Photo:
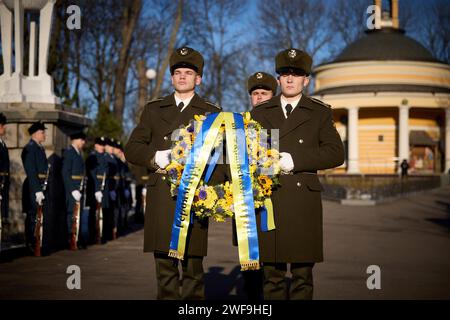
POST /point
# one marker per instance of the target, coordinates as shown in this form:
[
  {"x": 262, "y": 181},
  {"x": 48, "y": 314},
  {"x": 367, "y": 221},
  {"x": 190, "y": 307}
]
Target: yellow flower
[
  {"x": 178, "y": 152},
  {"x": 211, "y": 198},
  {"x": 265, "y": 182}
]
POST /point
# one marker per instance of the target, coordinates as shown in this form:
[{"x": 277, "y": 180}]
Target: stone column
[
  {"x": 6, "y": 29},
  {"x": 447, "y": 139},
  {"x": 403, "y": 133},
  {"x": 353, "y": 147}
]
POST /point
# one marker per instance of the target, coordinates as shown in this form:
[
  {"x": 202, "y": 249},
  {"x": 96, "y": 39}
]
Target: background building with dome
[{"x": 391, "y": 101}]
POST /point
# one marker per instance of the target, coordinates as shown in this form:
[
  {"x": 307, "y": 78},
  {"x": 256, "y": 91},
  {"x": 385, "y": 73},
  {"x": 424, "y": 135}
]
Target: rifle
[
  {"x": 2, "y": 185},
  {"x": 76, "y": 220},
  {"x": 99, "y": 213},
  {"x": 38, "y": 232}
]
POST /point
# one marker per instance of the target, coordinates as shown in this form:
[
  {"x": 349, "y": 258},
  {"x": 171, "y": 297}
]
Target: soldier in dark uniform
[
  {"x": 73, "y": 171},
  {"x": 141, "y": 178},
  {"x": 124, "y": 187},
  {"x": 96, "y": 171},
  {"x": 308, "y": 141},
  {"x": 111, "y": 213},
  {"x": 149, "y": 147},
  {"x": 261, "y": 87},
  {"x": 4, "y": 179},
  {"x": 35, "y": 164}
]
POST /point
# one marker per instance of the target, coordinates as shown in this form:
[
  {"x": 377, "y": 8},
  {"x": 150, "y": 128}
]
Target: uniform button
[
  {"x": 164, "y": 178},
  {"x": 165, "y": 138},
  {"x": 300, "y": 141},
  {"x": 299, "y": 184}
]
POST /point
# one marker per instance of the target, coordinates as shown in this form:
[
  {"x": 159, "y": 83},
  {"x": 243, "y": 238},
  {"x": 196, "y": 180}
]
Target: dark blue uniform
[
  {"x": 35, "y": 164},
  {"x": 111, "y": 213},
  {"x": 4, "y": 180},
  {"x": 73, "y": 174},
  {"x": 96, "y": 167}
]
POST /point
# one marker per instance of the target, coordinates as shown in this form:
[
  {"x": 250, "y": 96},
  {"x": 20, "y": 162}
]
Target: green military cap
[
  {"x": 293, "y": 61},
  {"x": 262, "y": 80},
  {"x": 186, "y": 57}
]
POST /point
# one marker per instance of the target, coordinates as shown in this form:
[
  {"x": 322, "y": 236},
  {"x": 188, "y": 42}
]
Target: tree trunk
[
  {"x": 173, "y": 38},
  {"x": 131, "y": 15},
  {"x": 142, "y": 91}
]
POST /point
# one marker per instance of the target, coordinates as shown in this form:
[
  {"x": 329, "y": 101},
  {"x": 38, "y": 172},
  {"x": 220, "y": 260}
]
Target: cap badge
[
  {"x": 292, "y": 53},
  {"x": 184, "y": 51},
  {"x": 259, "y": 76}
]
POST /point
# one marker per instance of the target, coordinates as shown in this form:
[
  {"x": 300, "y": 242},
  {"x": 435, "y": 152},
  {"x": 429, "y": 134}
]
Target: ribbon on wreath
[{"x": 244, "y": 209}]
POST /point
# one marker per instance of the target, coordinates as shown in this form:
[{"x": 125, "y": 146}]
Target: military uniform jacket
[
  {"x": 35, "y": 164},
  {"x": 73, "y": 173},
  {"x": 112, "y": 179},
  {"x": 4, "y": 178},
  {"x": 310, "y": 137},
  {"x": 95, "y": 168},
  {"x": 159, "y": 119}
]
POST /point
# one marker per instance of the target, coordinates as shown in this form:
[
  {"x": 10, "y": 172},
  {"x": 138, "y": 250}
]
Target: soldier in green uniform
[
  {"x": 4, "y": 179},
  {"x": 36, "y": 166},
  {"x": 73, "y": 172},
  {"x": 261, "y": 87},
  {"x": 149, "y": 146},
  {"x": 308, "y": 141}
]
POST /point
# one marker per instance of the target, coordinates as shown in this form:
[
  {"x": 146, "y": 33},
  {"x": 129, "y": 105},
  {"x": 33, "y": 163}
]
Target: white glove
[
  {"x": 162, "y": 158},
  {"x": 99, "y": 196},
  {"x": 1, "y": 198},
  {"x": 39, "y": 197},
  {"x": 76, "y": 195},
  {"x": 144, "y": 192},
  {"x": 286, "y": 162}
]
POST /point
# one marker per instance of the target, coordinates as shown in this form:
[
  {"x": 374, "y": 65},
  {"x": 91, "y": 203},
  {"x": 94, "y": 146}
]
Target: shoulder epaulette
[
  {"x": 215, "y": 105},
  {"x": 154, "y": 100},
  {"x": 320, "y": 102}
]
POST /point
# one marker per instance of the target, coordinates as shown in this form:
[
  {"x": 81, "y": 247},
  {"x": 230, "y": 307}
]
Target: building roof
[
  {"x": 385, "y": 44},
  {"x": 420, "y": 138},
  {"x": 382, "y": 88}
]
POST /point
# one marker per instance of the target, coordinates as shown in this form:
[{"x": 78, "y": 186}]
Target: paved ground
[{"x": 409, "y": 239}]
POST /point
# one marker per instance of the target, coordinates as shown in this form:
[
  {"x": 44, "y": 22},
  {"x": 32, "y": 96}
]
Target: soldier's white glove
[
  {"x": 1, "y": 198},
  {"x": 286, "y": 162},
  {"x": 99, "y": 196},
  {"x": 76, "y": 195},
  {"x": 162, "y": 158},
  {"x": 39, "y": 197},
  {"x": 144, "y": 192}
]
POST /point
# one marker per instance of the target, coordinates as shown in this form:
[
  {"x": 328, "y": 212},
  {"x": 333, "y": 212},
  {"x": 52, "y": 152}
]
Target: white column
[
  {"x": 6, "y": 26},
  {"x": 18, "y": 37},
  {"x": 44, "y": 36},
  {"x": 403, "y": 133},
  {"x": 447, "y": 139},
  {"x": 32, "y": 59},
  {"x": 352, "y": 138}
]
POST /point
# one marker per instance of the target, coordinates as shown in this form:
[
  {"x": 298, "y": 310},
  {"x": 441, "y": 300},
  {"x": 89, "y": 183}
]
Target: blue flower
[{"x": 202, "y": 194}]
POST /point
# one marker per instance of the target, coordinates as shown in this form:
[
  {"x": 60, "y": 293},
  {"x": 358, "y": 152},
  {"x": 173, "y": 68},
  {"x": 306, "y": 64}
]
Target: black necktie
[
  {"x": 288, "y": 110},
  {"x": 181, "y": 106}
]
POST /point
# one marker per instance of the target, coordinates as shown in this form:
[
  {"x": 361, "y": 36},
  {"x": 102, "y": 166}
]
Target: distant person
[
  {"x": 404, "y": 166},
  {"x": 261, "y": 87}
]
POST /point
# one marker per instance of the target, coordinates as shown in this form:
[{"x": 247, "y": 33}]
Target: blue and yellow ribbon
[{"x": 190, "y": 179}]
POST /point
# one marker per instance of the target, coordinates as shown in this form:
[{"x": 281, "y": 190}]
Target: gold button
[
  {"x": 300, "y": 141},
  {"x": 165, "y": 138},
  {"x": 299, "y": 184},
  {"x": 164, "y": 178}
]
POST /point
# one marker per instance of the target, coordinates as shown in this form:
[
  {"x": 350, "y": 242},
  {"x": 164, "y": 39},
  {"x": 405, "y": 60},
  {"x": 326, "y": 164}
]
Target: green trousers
[
  {"x": 275, "y": 286},
  {"x": 171, "y": 286}
]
